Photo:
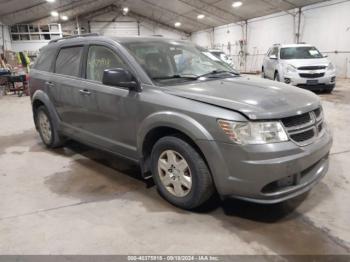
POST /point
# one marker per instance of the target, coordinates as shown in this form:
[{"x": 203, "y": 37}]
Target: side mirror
[
  {"x": 120, "y": 77},
  {"x": 325, "y": 56},
  {"x": 274, "y": 57}
]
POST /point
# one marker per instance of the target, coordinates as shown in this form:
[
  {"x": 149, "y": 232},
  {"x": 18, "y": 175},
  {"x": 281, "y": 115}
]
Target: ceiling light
[
  {"x": 237, "y": 4},
  {"x": 54, "y": 13},
  {"x": 64, "y": 17},
  {"x": 177, "y": 24},
  {"x": 50, "y": 1},
  {"x": 125, "y": 10},
  {"x": 201, "y": 16}
]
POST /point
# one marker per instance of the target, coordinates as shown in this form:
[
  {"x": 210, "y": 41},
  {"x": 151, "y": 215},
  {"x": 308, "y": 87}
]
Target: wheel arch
[
  {"x": 40, "y": 98},
  {"x": 163, "y": 124}
]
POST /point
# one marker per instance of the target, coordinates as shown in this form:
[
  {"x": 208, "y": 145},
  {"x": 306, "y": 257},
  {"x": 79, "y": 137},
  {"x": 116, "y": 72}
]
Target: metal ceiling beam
[
  {"x": 115, "y": 8},
  {"x": 72, "y": 6},
  {"x": 196, "y": 22},
  {"x": 211, "y": 9},
  {"x": 146, "y": 19},
  {"x": 277, "y": 7},
  {"x": 24, "y": 9}
]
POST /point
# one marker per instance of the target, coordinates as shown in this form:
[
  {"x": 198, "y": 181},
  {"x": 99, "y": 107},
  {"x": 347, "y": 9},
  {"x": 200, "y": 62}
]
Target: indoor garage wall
[
  {"x": 329, "y": 29},
  {"x": 110, "y": 25},
  {"x": 318, "y": 23}
]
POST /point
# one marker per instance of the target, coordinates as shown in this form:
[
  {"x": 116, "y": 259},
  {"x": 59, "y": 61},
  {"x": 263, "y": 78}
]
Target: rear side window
[
  {"x": 69, "y": 61},
  {"x": 45, "y": 60}
]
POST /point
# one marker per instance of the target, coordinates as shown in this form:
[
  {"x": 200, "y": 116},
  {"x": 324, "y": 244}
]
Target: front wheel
[
  {"x": 180, "y": 173},
  {"x": 277, "y": 77}
]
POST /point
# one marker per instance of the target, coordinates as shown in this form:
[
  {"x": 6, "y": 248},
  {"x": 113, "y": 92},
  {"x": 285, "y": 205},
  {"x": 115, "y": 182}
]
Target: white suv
[{"x": 301, "y": 65}]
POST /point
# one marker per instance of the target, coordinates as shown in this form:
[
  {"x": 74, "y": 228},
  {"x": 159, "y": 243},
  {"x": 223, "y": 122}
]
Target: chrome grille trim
[{"x": 316, "y": 120}]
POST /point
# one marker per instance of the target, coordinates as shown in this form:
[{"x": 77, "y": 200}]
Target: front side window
[
  {"x": 274, "y": 51},
  {"x": 69, "y": 61},
  {"x": 173, "y": 60},
  {"x": 99, "y": 59},
  {"x": 301, "y": 52}
]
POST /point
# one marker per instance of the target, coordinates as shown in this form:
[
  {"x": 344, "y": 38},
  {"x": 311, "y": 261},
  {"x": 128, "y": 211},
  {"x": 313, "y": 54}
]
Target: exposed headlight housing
[
  {"x": 254, "y": 132},
  {"x": 291, "y": 69},
  {"x": 330, "y": 67}
]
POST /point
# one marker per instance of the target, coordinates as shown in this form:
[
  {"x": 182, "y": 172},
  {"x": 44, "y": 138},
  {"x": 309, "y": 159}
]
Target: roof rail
[{"x": 72, "y": 36}]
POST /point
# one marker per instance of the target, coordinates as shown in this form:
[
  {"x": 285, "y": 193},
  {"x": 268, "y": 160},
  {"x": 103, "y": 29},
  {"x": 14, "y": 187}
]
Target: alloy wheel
[{"x": 174, "y": 173}]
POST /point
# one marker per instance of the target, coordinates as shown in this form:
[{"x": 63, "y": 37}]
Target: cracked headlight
[{"x": 254, "y": 132}]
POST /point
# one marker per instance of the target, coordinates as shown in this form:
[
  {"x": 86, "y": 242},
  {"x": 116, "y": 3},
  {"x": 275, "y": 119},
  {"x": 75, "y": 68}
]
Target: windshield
[
  {"x": 302, "y": 52},
  {"x": 174, "y": 61}
]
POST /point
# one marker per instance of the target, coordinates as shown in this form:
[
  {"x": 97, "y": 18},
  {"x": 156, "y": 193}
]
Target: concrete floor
[{"x": 78, "y": 200}]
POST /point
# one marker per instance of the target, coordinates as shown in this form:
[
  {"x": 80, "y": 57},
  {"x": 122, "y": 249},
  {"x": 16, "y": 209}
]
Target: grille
[
  {"x": 303, "y": 136},
  {"x": 296, "y": 120},
  {"x": 311, "y": 67},
  {"x": 312, "y": 75},
  {"x": 317, "y": 112},
  {"x": 303, "y": 128},
  {"x": 320, "y": 128}
]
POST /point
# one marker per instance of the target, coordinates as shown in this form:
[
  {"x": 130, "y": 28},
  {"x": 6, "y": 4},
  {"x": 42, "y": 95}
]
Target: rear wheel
[
  {"x": 47, "y": 131},
  {"x": 263, "y": 73},
  {"x": 180, "y": 173}
]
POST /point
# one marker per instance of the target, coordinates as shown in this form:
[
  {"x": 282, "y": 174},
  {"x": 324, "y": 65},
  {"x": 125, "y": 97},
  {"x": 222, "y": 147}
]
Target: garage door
[{"x": 114, "y": 28}]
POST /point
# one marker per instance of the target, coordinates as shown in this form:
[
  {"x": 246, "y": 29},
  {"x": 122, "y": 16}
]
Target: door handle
[
  {"x": 85, "y": 92},
  {"x": 49, "y": 84}
]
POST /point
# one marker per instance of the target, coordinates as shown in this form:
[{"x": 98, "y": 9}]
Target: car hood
[
  {"x": 254, "y": 97},
  {"x": 307, "y": 62}
]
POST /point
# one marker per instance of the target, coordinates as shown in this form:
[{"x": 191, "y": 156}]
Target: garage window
[
  {"x": 99, "y": 59},
  {"x": 68, "y": 61}
]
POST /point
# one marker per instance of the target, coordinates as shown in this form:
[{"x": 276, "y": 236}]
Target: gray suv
[{"x": 195, "y": 126}]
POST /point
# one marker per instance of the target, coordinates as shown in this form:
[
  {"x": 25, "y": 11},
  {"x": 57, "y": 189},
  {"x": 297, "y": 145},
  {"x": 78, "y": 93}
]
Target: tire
[
  {"x": 263, "y": 73},
  {"x": 277, "y": 77},
  {"x": 47, "y": 130},
  {"x": 192, "y": 194},
  {"x": 328, "y": 90}
]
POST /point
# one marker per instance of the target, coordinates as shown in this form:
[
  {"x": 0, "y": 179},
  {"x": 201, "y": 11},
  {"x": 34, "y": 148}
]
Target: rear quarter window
[
  {"x": 45, "y": 60},
  {"x": 69, "y": 61}
]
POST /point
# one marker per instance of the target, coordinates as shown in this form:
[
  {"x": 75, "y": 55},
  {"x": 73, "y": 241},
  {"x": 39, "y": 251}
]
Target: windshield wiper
[
  {"x": 216, "y": 73},
  {"x": 191, "y": 77}
]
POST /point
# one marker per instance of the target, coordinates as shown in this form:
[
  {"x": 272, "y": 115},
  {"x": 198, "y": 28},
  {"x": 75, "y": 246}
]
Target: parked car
[
  {"x": 300, "y": 65},
  {"x": 222, "y": 56},
  {"x": 192, "y": 124}
]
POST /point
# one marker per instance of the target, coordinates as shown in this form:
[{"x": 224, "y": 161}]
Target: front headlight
[
  {"x": 291, "y": 69},
  {"x": 254, "y": 132},
  {"x": 330, "y": 67}
]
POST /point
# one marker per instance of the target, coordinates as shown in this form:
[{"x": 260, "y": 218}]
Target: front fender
[{"x": 181, "y": 122}]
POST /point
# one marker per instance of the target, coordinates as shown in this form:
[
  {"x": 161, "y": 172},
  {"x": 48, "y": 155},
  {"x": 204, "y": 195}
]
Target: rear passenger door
[{"x": 65, "y": 85}]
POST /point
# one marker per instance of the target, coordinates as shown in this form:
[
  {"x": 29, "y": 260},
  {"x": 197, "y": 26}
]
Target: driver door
[
  {"x": 109, "y": 112},
  {"x": 271, "y": 63}
]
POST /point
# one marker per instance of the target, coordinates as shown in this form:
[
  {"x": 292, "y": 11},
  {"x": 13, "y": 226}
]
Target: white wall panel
[
  {"x": 328, "y": 28},
  {"x": 114, "y": 28},
  {"x": 31, "y": 46},
  {"x": 325, "y": 25},
  {"x": 5, "y": 40}
]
